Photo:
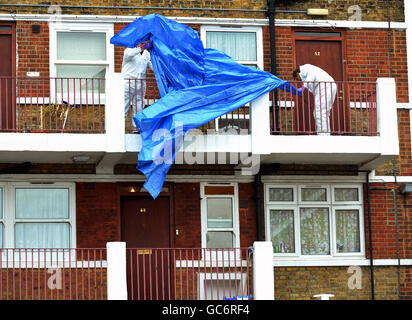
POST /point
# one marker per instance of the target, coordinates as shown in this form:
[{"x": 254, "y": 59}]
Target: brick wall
[
  {"x": 367, "y": 56},
  {"x": 32, "y": 48},
  {"x": 383, "y": 220},
  {"x": 97, "y": 214},
  {"x": 366, "y": 10},
  {"x": 302, "y": 283}
]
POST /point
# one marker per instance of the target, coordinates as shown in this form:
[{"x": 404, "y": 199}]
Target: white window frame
[
  {"x": 210, "y": 254},
  {"x": 259, "y": 39},
  {"x": 330, "y": 203},
  {"x": 217, "y": 280},
  {"x": 55, "y": 27},
  {"x": 349, "y": 186},
  {"x": 259, "y": 53},
  {"x": 361, "y": 235},
  {"x": 9, "y": 212},
  {"x": 282, "y": 186},
  {"x": 296, "y": 227}
]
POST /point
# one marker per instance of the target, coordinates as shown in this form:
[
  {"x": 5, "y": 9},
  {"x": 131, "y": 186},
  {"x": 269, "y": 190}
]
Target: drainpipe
[
  {"x": 272, "y": 37},
  {"x": 259, "y": 200},
  {"x": 370, "y": 237}
]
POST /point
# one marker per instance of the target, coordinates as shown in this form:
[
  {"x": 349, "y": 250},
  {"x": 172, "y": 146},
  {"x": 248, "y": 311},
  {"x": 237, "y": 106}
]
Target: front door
[
  {"x": 145, "y": 228},
  {"x": 7, "y": 93},
  {"x": 327, "y": 55}
]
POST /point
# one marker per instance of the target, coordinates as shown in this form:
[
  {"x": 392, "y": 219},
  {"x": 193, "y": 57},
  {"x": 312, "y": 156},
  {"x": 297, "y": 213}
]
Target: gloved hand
[
  {"x": 301, "y": 89},
  {"x": 147, "y": 45}
]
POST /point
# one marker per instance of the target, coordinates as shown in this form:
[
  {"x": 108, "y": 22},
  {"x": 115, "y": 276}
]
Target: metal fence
[
  {"x": 53, "y": 274},
  {"x": 353, "y": 109},
  {"x": 189, "y": 274}
]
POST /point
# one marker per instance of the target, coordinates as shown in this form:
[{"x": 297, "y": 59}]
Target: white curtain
[
  {"x": 42, "y": 235},
  {"x": 37, "y": 205},
  {"x": 314, "y": 231},
  {"x": 240, "y": 46},
  {"x": 282, "y": 231},
  {"x": 347, "y": 231},
  {"x": 81, "y": 46},
  {"x": 314, "y": 194},
  {"x": 281, "y": 194},
  {"x": 346, "y": 194}
]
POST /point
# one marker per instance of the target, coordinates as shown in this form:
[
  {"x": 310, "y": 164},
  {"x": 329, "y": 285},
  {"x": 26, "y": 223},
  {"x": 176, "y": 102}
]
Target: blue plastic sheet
[{"x": 196, "y": 85}]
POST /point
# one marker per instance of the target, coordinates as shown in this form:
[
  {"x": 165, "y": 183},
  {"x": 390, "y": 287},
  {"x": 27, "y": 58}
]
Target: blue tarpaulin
[{"x": 196, "y": 85}]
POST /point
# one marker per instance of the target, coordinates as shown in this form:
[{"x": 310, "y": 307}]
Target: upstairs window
[
  {"x": 243, "y": 45},
  {"x": 80, "y": 51}
]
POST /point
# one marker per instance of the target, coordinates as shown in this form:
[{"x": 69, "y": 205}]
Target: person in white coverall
[
  {"x": 134, "y": 66},
  {"x": 324, "y": 90}
]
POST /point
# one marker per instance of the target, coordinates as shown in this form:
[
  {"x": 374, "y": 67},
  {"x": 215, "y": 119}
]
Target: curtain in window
[
  {"x": 219, "y": 213},
  {"x": 42, "y": 235},
  {"x": 281, "y": 194},
  {"x": 347, "y": 231},
  {"x": 240, "y": 46},
  {"x": 282, "y": 231},
  {"x": 314, "y": 231},
  {"x": 314, "y": 194},
  {"x": 346, "y": 194},
  {"x": 37, "y": 205},
  {"x": 81, "y": 46}
]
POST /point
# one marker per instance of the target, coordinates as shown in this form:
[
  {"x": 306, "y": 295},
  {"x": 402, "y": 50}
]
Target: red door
[
  {"x": 327, "y": 55},
  {"x": 7, "y": 92},
  {"x": 145, "y": 226}
]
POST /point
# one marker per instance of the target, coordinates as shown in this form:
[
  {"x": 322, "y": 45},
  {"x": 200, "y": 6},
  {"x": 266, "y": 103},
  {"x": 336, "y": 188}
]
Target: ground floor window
[
  {"x": 220, "y": 227},
  {"x": 315, "y": 220},
  {"x": 37, "y": 215}
]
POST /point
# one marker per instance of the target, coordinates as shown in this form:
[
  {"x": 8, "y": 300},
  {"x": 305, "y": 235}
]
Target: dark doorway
[
  {"x": 145, "y": 227},
  {"x": 323, "y": 50},
  {"x": 7, "y": 71}
]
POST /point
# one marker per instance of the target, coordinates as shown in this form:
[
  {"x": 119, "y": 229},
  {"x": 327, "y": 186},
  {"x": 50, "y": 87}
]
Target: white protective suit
[
  {"x": 324, "y": 92},
  {"x": 135, "y": 63}
]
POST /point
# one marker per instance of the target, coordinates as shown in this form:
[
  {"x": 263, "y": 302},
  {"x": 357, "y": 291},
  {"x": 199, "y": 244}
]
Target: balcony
[{"x": 54, "y": 119}]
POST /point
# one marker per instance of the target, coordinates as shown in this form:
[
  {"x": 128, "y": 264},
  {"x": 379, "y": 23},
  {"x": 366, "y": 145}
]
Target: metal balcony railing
[
  {"x": 37, "y": 104},
  {"x": 353, "y": 109}
]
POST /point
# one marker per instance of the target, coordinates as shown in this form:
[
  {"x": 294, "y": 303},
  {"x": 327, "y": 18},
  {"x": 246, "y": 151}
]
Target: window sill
[
  {"x": 320, "y": 262},
  {"x": 336, "y": 262}
]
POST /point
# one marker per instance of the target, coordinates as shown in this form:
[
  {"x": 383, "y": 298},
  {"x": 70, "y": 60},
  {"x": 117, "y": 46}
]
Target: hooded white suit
[
  {"x": 324, "y": 92},
  {"x": 135, "y": 63}
]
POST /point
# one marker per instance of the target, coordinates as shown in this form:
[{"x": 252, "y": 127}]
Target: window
[
  {"x": 80, "y": 51},
  {"x": 315, "y": 220},
  {"x": 243, "y": 44},
  {"x": 37, "y": 216},
  {"x": 219, "y": 216}
]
